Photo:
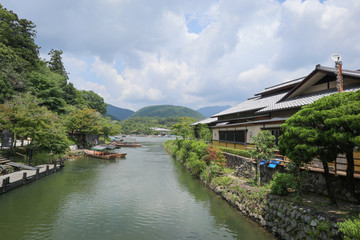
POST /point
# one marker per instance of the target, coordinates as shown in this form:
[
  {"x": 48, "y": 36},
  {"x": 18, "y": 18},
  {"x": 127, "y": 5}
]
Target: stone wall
[
  {"x": 285, "y": 219},
  {"x": 243, "y": 166},
  {"x": 314, "y": 182},
  {"x": 290, "y": 221}
]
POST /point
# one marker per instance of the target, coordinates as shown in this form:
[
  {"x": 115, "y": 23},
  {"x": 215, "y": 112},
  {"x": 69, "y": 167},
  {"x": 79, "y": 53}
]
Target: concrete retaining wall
[{"x": 20, "y": 178}]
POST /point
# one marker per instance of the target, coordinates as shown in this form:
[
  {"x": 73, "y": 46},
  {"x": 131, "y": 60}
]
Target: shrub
[
  {"x": 205, "y": 175},
  {"x": 196, "y": 166},
  {"x": 214, "y": 154},
  {"x": 222, "y": 181},
  {"x": 199, "y": 147},
  {"x": 239, "y": 152},
  {"x": 281, "y": 182},
  {"x": 350, "y": 228}
]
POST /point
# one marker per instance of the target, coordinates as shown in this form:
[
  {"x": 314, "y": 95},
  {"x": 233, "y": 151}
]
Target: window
[{"x": 232, "y": 136}]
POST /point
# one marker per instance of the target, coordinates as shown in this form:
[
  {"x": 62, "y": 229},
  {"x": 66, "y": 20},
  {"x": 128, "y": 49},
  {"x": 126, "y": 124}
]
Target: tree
[
  {"x": 264, "y": 148},
  {"x": 24, "y": 117},
  {"x": 109, "y": 127},
  {"x": 324, "y": 129},
  {"x": 19, "y": 34},
  {"x": 89, "y": 99},
  {"x": 291, "y": 144},
  {"x": 56, "y": 65},
  {"x": 182, "y": 127},
  {"x": 204, "y": 132},
  {"x": 83, "y": 122},
  {"x": 45, "y": 85},
  {"x": 344, "y": 122}
]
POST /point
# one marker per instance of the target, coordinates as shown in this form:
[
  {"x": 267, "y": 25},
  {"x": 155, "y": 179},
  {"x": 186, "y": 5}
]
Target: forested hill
[
  {"x": 22, "y": 71},
  {"x": 167, "y": 111},
  {"x": 118, "y": 113}
]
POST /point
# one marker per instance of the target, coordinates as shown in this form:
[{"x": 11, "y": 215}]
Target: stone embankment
[
  {"x": 285, "y": 219},
  {"x": 20, "y": 178}
]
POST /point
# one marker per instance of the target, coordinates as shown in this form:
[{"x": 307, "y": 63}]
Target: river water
[{"x": 148, "y": 195}]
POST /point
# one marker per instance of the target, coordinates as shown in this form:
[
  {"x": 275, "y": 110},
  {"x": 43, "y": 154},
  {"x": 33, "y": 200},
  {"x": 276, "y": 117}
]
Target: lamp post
[
  {"x": 28, "y": 149},
  {"x": 338, "y": 65}
]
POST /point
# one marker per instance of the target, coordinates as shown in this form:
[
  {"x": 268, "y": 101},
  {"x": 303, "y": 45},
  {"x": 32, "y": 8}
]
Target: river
[{"x": 148, "y": 195}]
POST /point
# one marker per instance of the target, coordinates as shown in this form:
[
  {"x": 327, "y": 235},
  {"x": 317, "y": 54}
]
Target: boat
[
  {"x": 105, "y": 152},
  {"x": 126, "y": 142}
]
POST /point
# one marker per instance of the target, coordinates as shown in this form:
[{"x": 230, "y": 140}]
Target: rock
[{"x": 313, "y": 223}]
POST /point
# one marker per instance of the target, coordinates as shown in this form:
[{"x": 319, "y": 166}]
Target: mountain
[
  {"x": 167, "y": 111},
  {"x": 119, "y": 113},
  {"x": 209, "y": 111}
]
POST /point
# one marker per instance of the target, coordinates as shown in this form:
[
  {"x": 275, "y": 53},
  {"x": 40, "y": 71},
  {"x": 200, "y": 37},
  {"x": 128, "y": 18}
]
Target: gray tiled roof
[
  {"x": 344, "y": 71},
  {"x": 205, "y": 121},
  {"x": 303, "y": 100},
  {"x": 281, "y": 85},
  {"x": 252, "y": 104},
  {"x": 271, "y": 103}
]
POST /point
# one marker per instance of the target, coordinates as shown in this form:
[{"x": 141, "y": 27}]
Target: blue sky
[{"x": 136, "y": 53}]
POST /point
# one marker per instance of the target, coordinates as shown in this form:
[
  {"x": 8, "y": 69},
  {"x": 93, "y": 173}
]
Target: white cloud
[{"x": 241, "y": 47}]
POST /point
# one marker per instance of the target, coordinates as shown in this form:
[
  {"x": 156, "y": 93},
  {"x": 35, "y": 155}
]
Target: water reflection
[{"x": 148, "y": 195}]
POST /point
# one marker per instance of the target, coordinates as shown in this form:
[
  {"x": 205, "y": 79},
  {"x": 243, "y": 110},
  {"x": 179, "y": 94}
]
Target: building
[{"x": 268, "y": 109}]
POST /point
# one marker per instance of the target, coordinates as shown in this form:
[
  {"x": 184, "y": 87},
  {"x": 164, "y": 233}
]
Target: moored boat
[
  {"x": 126, "y": 142},
  {"x": 104, "y": 152}
]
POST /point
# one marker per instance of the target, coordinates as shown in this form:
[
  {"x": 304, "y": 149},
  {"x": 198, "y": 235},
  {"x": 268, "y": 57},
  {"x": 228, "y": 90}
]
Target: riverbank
[
  {"x": 285, "y": 217},
  {"x": 16, "y": 179}
]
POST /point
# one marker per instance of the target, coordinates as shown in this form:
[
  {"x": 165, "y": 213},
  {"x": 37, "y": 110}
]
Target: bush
[
  {"x": 195, "y": 165},
  {"x": 199, "y": 147},
  {"x": 222, "y": 181},
  {"x": 239, "y": 152},
  {"x": 214, "y": 154},
  {"x": 350, "y": 228},
  {"x": 281, "y": 182}
]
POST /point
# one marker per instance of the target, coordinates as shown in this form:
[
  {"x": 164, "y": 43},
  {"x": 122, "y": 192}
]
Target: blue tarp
[
  {"x": 262, "y": 162},
  {"x": 273, "y": 164}
]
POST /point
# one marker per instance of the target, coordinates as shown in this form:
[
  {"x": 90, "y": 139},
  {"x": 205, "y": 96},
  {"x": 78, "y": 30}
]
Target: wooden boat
[
  {"x": 105, "y": 152},
  {"x": 127, "y": 142}
]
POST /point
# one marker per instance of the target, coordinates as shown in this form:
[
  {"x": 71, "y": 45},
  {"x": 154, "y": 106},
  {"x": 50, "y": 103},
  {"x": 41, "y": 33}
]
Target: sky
[{"x": 193, "y": 53}]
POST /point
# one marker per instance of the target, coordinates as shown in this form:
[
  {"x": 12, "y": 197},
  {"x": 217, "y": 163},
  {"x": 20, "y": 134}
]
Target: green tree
[
  {"x": 83, "y": 122},
  {"x": 89, "y": 99},
  {"x": 321, "y": 133},
  {"x": 19, "y": 34},
  {"x": 182, "y": 128},
  {"x": 45, "y": 85},
  {"x": 109, "y": 127},
  {"x": 56, "y": 65},
  {"x": 343, "y": 121},
  {"x": 24, "y": 117},
  {"x": 291, "y": 144},
  {"x": 204, "y": 132},
  {"x": 264, "y": 149}
]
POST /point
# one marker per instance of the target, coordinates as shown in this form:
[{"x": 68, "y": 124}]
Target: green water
[{"x": 148, "y": 195}]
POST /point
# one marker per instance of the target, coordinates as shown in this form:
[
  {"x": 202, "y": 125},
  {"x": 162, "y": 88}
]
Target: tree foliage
[
  {"x": 204, "y": 132},
  {"x": 89, "y": 99},
  {"x": 182, "y": 128},
  {"x": 56, "y": 65},
  {"x": 25, "y": 117},
  {"x": 35, "y": 95},
  {"x": 264, "y": 148},
  {"x": 324, "y": 129}
]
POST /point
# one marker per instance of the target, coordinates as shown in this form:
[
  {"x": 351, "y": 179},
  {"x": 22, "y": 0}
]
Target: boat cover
[{"x": 103, "y": 147}]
